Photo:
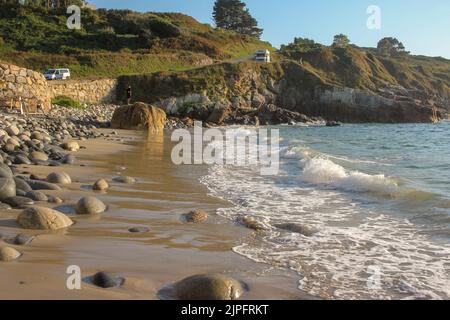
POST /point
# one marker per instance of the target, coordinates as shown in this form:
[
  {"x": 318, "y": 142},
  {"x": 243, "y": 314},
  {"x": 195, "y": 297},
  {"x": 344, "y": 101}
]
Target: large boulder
[
  {"x": 139, "y": 116},
  {"x": 41, "y": 218}
]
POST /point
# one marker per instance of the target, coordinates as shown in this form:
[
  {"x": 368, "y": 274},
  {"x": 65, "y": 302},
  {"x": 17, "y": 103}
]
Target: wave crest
[{"x": 324, "y": 171}]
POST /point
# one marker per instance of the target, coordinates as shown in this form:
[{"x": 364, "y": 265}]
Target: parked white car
[
  {"x": 262, "y": 56},
  {"x": 57, "y": 74}
]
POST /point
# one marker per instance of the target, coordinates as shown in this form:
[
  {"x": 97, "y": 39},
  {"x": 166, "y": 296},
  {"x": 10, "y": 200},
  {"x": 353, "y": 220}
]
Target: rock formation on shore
[
  {"x": 351, "y": 85},
  {"x": 139, "y": 116}
]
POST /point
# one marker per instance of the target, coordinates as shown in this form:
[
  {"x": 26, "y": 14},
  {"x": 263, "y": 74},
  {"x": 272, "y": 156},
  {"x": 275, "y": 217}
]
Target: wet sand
[{"x": 171, "y": 251}]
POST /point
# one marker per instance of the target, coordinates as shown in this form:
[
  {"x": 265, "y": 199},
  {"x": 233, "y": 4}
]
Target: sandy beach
[{"x": 171, "y": 251}]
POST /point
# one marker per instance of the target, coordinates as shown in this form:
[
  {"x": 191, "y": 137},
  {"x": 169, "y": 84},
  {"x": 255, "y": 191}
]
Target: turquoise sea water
[{"x": 379, "y": 196}]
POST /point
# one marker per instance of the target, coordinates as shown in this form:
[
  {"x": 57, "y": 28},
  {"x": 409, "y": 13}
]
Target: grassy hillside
[
  {"x": 114, "y": 42},
  {"x": 301, "y": 74},
  {"x": 364, "y": 68}
]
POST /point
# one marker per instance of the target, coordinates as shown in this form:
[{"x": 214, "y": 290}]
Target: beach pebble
[
  {"x": 100, "y": 185},
  {"x": 196, "y": 216},
  {"x": 18, "y": 202},
  {"x": 298, "y": 228},
  {"x": 5, "y": 171},
  {"x": 139, "y": 230},
  {"x": 208, "y": 287},
  {"x": 36, "y": 196},
  {"x": 59, "y": 178},
  {"x": 124, "y": 179},
  {"x": 22, "y": 184},
  {"x": 35, "y": 177},
  {"x": 107, "y": 280},
  {"x": 7, "y": 188},
  {"x": 55, "y": 200},
  {"x": 90, "y": 205},
  {"x": 22, "y": 239},
  {"x": 41, "y": 218},
  {"x": 9, "y": 254},
  {"x": 68, "y": 159},
  {"x": 37, "y": 135},
  {"x": 21, "y": 159},
  {"x": 9, "y": 148},
  {"x": 71, "y": 146},
  {"x": 251, "y": 223},
  {"x": 20, "y": 193},
  {"x": 38, "y": 156},
  {"x": 13, "y": 130},
  {"x": 43, "y": 185},
  {"x": 5, "y": 207}
]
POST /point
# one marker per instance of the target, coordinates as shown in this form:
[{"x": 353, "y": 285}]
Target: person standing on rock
[{"x": 129, "y": 94}]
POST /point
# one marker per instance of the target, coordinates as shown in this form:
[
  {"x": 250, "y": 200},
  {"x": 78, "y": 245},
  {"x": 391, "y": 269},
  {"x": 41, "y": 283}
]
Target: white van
[
  {"x": 57, "y": 74},
  {"x": 262, "y": 56}
]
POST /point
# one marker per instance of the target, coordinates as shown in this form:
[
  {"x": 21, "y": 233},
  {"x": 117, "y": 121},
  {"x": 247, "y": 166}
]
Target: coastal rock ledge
[{"x": 139, "y": 116}]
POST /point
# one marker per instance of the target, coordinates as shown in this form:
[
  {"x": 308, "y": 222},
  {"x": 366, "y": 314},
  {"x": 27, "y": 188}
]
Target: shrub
[
  {"x": 68, "y": 102},
  {"x": 163, "y": 28}
]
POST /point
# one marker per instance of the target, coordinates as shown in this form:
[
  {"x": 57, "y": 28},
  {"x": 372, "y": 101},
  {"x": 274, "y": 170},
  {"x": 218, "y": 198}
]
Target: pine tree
[{"x": 233, "y": 15}]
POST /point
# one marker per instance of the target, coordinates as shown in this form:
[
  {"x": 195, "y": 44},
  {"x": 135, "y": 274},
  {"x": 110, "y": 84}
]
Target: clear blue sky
[{"x": 422, "y": 25}]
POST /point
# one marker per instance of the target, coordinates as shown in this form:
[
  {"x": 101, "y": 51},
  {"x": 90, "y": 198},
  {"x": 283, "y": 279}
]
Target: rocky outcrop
[
  {"x": 352, "y": 105},
  {"x": 139, "y": 116},
  {"x": 289, "y": 92},
  {"x": 85, "y": 91},
  {"x": 30, "y": 86}
]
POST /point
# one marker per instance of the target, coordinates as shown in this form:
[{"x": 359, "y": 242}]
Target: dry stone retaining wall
[
  {"x": 85, "y": 91},
  {"x": 30, "y": 86}
]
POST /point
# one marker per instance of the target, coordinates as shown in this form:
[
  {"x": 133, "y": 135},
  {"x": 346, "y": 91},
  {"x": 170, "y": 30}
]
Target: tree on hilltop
[
  {"x": 391, "y": 47},
  {"x": 234, "y": 15},
  {"x": 341, "y": 41}
]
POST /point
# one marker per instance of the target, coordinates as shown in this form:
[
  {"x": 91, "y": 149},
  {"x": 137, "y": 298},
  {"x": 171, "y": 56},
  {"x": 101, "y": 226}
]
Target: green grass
[
  {"x": 68, "y": 102},
  {"x": 112, "y": 43}
]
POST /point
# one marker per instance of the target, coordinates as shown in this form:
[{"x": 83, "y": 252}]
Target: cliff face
[{"x": 359, "y": 88}]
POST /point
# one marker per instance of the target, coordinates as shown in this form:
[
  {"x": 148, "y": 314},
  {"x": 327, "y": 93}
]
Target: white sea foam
[
  {"x": 324, "y": 171},
  {"x": 333, "y": 263}
]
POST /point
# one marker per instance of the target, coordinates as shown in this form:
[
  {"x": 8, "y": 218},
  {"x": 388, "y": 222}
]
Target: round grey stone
[
  {"x": 7, "y": 188},
  {"x": 18, "y": 202},
  {"x": 107, "y": 280},
  {"x": 90, "y": 205},
  {"x": 36, "y": 195},
  {"x": 124, "y": 179},
  {"x": 59, "y": 178}
]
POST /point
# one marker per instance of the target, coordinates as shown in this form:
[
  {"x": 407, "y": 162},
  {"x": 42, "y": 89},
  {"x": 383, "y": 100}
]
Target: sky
[{"x": 422, "y": 25}]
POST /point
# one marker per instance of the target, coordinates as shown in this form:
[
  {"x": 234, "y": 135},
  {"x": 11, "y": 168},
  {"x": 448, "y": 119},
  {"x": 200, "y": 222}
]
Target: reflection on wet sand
[{"x": 170, "y": 251}]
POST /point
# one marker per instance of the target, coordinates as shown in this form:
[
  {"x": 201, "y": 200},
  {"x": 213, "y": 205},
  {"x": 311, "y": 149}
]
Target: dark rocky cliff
[{"x": 350, "y": 85}]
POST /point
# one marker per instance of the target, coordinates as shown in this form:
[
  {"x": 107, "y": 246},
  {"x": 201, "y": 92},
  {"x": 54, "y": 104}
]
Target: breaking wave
[{"x": 324, "y": 171}]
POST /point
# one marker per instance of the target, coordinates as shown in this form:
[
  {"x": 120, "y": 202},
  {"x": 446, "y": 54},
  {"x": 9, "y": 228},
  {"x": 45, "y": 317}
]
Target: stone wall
[
  {"x": 31, "y": 86},
  {"x": 85, "y": 91}
]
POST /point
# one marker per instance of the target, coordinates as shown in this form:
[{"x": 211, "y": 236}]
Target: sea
[{"x": 377, "y": 197}]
